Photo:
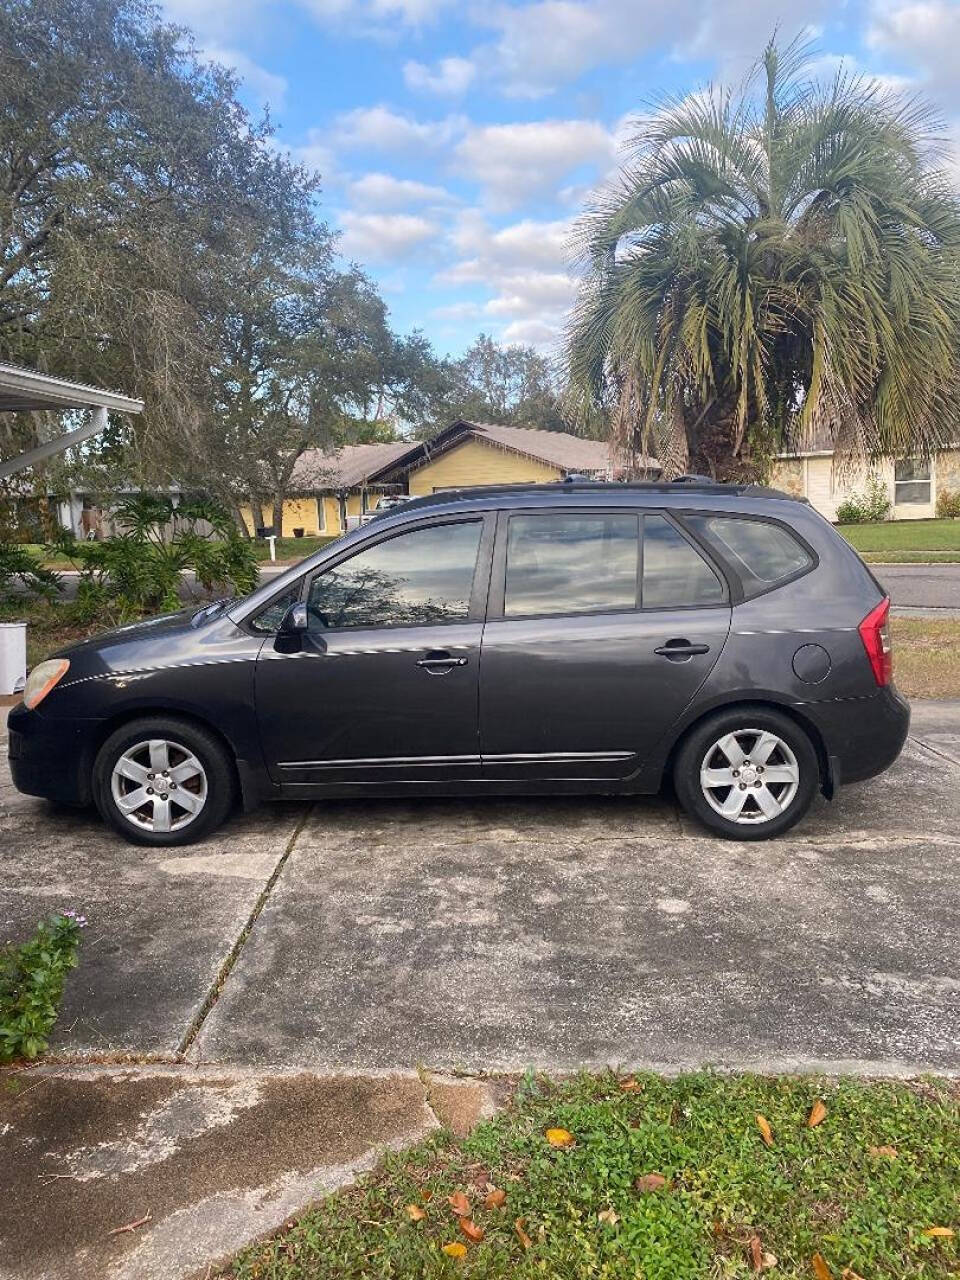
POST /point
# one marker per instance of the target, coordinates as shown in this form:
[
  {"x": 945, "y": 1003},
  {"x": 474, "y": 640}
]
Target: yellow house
[{"x": 332, "y": 491}]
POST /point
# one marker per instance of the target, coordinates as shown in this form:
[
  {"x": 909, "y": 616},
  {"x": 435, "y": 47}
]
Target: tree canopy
[{"x": 773, "y": 265}]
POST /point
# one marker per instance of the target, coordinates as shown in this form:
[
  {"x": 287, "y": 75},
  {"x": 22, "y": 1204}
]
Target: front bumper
[{"x": 51, "y": 758}]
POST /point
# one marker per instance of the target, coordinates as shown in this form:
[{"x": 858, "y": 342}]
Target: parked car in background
[{"x": 574, "y": 637}]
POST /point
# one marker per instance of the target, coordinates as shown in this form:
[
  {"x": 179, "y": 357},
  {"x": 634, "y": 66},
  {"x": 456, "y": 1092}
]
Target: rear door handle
[
  {"x": 681, "y": 650},
  {"x": 444, "y": 660}
]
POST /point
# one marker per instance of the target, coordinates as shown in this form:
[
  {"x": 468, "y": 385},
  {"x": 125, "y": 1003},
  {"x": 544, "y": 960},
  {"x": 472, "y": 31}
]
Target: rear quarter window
[{"x": 762, "y": 554}]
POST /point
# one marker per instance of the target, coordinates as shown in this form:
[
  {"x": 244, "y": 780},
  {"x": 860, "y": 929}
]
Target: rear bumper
[
  {"x": 50, "y": 758},
  {"x": 862, "y": 736}
]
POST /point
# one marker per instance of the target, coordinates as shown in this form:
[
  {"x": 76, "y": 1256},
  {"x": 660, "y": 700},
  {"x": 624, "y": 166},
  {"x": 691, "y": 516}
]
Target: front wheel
[
  {"x": 163, "y": 782},
  {"x": 747, "y": 774}
]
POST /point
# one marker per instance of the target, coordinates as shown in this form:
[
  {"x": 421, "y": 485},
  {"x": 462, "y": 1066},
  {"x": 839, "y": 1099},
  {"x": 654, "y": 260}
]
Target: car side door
[
  {"x": 602, "y": 625},
  {"x": 383, "y": 687}
]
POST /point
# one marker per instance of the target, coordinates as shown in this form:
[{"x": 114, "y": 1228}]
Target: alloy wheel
[
  {"x": 749, "y": 776},
  {"x": 159, "y": 785}
]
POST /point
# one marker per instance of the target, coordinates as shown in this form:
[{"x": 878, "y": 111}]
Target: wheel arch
[
  {"x": 245, "y": 780},
  {"x": 761, "y": 704}
]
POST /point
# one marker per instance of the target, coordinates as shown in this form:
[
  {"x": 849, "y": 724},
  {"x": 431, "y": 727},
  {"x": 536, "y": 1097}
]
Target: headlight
[{"x": 42, "y": 679}]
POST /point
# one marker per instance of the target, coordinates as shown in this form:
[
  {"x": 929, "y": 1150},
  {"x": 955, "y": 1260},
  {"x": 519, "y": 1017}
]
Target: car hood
[{"x": 167, "y": 625}]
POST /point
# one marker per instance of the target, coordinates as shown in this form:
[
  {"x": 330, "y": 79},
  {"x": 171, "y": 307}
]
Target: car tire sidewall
[
  {"x": 221, "y": 782},
  {"x": 686, "y": 772}
]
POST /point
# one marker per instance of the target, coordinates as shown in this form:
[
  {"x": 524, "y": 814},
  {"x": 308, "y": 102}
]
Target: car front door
[
  {"x": 383, "y": 689},
  {"x": 602, "y": 626}
]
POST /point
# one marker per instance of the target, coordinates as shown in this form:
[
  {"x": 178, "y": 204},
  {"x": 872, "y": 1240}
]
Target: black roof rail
[{"x": 572, "y": 485}]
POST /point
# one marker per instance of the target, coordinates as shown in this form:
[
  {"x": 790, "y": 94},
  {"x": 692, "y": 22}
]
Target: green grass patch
[
  {"x": 816, "y": 1190},
  {"x": 904, "y": 535},
  {"x": 291, "y": 549}
]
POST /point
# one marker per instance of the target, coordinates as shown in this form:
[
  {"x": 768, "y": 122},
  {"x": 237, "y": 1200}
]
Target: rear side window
[
  {"x": 571, "y": 564},
  {"x": 675, "y": 574},
  {"x": 762, "y": 554}
]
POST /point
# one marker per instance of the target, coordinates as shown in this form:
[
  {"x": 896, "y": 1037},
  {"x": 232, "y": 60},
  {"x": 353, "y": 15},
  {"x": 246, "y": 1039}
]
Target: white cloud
[
  {"x": 383, "y": 191},
  {"x": 926, "y": 36},
  {"x": 267, "y": 87},
  {"x": 450, "y": 77},
  {"x": 381, "y": 129},
  {"x": 523, "y": 267},
  {"x": 383, "y": 237},
  {"x": 515, "y": 162}
]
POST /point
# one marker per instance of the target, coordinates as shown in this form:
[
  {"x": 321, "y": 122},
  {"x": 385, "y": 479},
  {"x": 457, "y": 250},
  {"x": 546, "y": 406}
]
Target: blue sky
[{"x": 457, "y": 140}]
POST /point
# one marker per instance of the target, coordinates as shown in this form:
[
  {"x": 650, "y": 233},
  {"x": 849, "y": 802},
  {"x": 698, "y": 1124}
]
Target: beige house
[
  {"x": 330, "y": 492},
  {"x": 912, "y": 484}
]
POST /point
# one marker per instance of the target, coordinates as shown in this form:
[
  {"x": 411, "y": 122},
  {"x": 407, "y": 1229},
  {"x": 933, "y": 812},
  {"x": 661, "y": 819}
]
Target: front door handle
[
  {"x": 681, "y": 650},
  {"x": 441, "y": 662}
]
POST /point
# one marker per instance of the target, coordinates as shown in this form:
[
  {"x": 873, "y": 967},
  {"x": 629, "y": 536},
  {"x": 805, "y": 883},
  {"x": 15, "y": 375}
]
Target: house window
[{"x": 913, "y": 482}]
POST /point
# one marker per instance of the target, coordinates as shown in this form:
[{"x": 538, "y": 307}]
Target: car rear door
[{"x": 601, "y": 627}]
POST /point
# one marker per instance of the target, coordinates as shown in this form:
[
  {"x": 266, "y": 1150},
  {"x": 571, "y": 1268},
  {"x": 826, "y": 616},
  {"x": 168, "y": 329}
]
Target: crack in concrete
[{"x": 213, "y": 994}]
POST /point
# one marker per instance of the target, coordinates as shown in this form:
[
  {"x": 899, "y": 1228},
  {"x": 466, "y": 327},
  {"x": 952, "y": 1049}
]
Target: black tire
[
  {"x": 217, "y": 782},
  {"x": 753, "y": 825}
]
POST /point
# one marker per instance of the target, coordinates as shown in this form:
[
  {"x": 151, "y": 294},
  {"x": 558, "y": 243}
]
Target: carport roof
[{"x": 24, "y": 389}]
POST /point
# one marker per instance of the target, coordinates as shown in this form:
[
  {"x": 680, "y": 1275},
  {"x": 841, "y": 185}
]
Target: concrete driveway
[{"x": 500, "y": 934}]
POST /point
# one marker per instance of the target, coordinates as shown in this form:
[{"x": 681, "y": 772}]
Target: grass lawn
[
  {"x": 926, "y": 657},
  {"x": 663, "y": 1180},
  {"x": 905, "y": 540}
]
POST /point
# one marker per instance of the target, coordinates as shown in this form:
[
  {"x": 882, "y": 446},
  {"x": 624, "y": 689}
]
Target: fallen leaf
[
  {"x": 769, "y": 1261},
  {"x": 818, "y": 1113},
  {"x": 415, "y": 1213},
  {"x": 426, "y": 1195},
  {"x": 763, "y": 1124},
  {"x": 522, "y": 1236},
  {"x": 650, "y": 1182},
  {"x": 848, "y": 1273},
  {"x": 470, "y": 1229},
  {"x": 132, "y": 1226},
  {"x": 820, "y": 1268},
  {"x": 495, "y": 1199},
  {"x": 944, "y": 1233},
  {"x": 631, "y": 1085},
  {"x": 560, "y": 1138},
  {"x": 455, "y": 1249},
  {"x": 610, "y": 1216},
  {"x": 459, "y": 1204},
  {"x": 756, "y": 1253},
  {"x": 890, "y": 1152}
]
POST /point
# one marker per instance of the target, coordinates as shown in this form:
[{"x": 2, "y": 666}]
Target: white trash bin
[{"x": 13, "y": 657}]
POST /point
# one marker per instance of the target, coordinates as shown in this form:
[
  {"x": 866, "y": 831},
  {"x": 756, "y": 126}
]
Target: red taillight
[{"x": 875, "y": 634}]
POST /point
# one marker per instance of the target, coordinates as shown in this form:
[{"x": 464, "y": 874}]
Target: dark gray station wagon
[{"x": 535, "y": 639}]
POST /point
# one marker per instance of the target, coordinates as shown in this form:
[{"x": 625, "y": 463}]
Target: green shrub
[
  {"x": 948, "y": 504},
  {"x": 140, "y": 570},
  {"x": 31, "y": 984},
  {"x": 869, "y": 506},
  {"x": 19, "y": 567}
]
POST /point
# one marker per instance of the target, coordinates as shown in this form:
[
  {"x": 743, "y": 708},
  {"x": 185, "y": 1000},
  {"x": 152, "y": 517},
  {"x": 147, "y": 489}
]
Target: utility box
[{"x": 13, "y": 657}]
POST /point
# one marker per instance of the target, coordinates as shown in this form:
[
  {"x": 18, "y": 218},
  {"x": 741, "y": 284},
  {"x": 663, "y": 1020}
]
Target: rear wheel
[
  {"x": 163, "y": 782},
  {"x": 749, "y": 773}
]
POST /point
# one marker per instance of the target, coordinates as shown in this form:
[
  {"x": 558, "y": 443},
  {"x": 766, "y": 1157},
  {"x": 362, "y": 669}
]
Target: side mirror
[
  {"x": 292, "y": 630},
  {"x": 295, "y": 620}
]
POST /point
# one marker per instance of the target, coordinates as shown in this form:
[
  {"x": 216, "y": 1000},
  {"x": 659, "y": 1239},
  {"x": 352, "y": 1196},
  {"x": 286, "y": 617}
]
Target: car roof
[{"x": 685, "y": 492}]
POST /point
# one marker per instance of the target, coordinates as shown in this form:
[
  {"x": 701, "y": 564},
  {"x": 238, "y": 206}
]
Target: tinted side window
[
  {"x": 762, "y": 554},
  {"x": 414, "y": 579},
  {"x": 268, "y": 620},
  {"x": 674, "y": 572},
  {"x": 570, "y": 564}
]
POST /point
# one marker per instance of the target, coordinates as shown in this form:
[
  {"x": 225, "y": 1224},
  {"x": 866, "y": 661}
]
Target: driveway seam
[
  {"x": 935, "y": 751},
  {"x": 223, "y": 973}
]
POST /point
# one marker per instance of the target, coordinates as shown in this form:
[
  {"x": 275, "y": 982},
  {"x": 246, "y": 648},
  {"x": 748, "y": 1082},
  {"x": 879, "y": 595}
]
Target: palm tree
[{"x": 774, "y": 265}]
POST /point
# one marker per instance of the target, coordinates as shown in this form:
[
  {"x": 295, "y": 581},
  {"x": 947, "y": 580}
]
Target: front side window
[
  {"x": 912, "y": 479},
  {"x": 762, "y": 554},
  {"x": 675, "y": 574},
  {"x": 570, "y": 563},
  {"x": 415, "y": 579},
  {"x": 268, "y": 621}
]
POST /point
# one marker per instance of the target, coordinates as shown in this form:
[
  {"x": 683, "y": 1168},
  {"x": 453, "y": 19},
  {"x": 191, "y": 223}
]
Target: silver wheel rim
[
  {"x": 749, "y": 777},
  {"x": 159, "y": 785}
]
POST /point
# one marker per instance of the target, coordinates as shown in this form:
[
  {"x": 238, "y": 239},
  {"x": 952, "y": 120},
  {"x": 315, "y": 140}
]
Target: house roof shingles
[{"x": 356, "y": 464}]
